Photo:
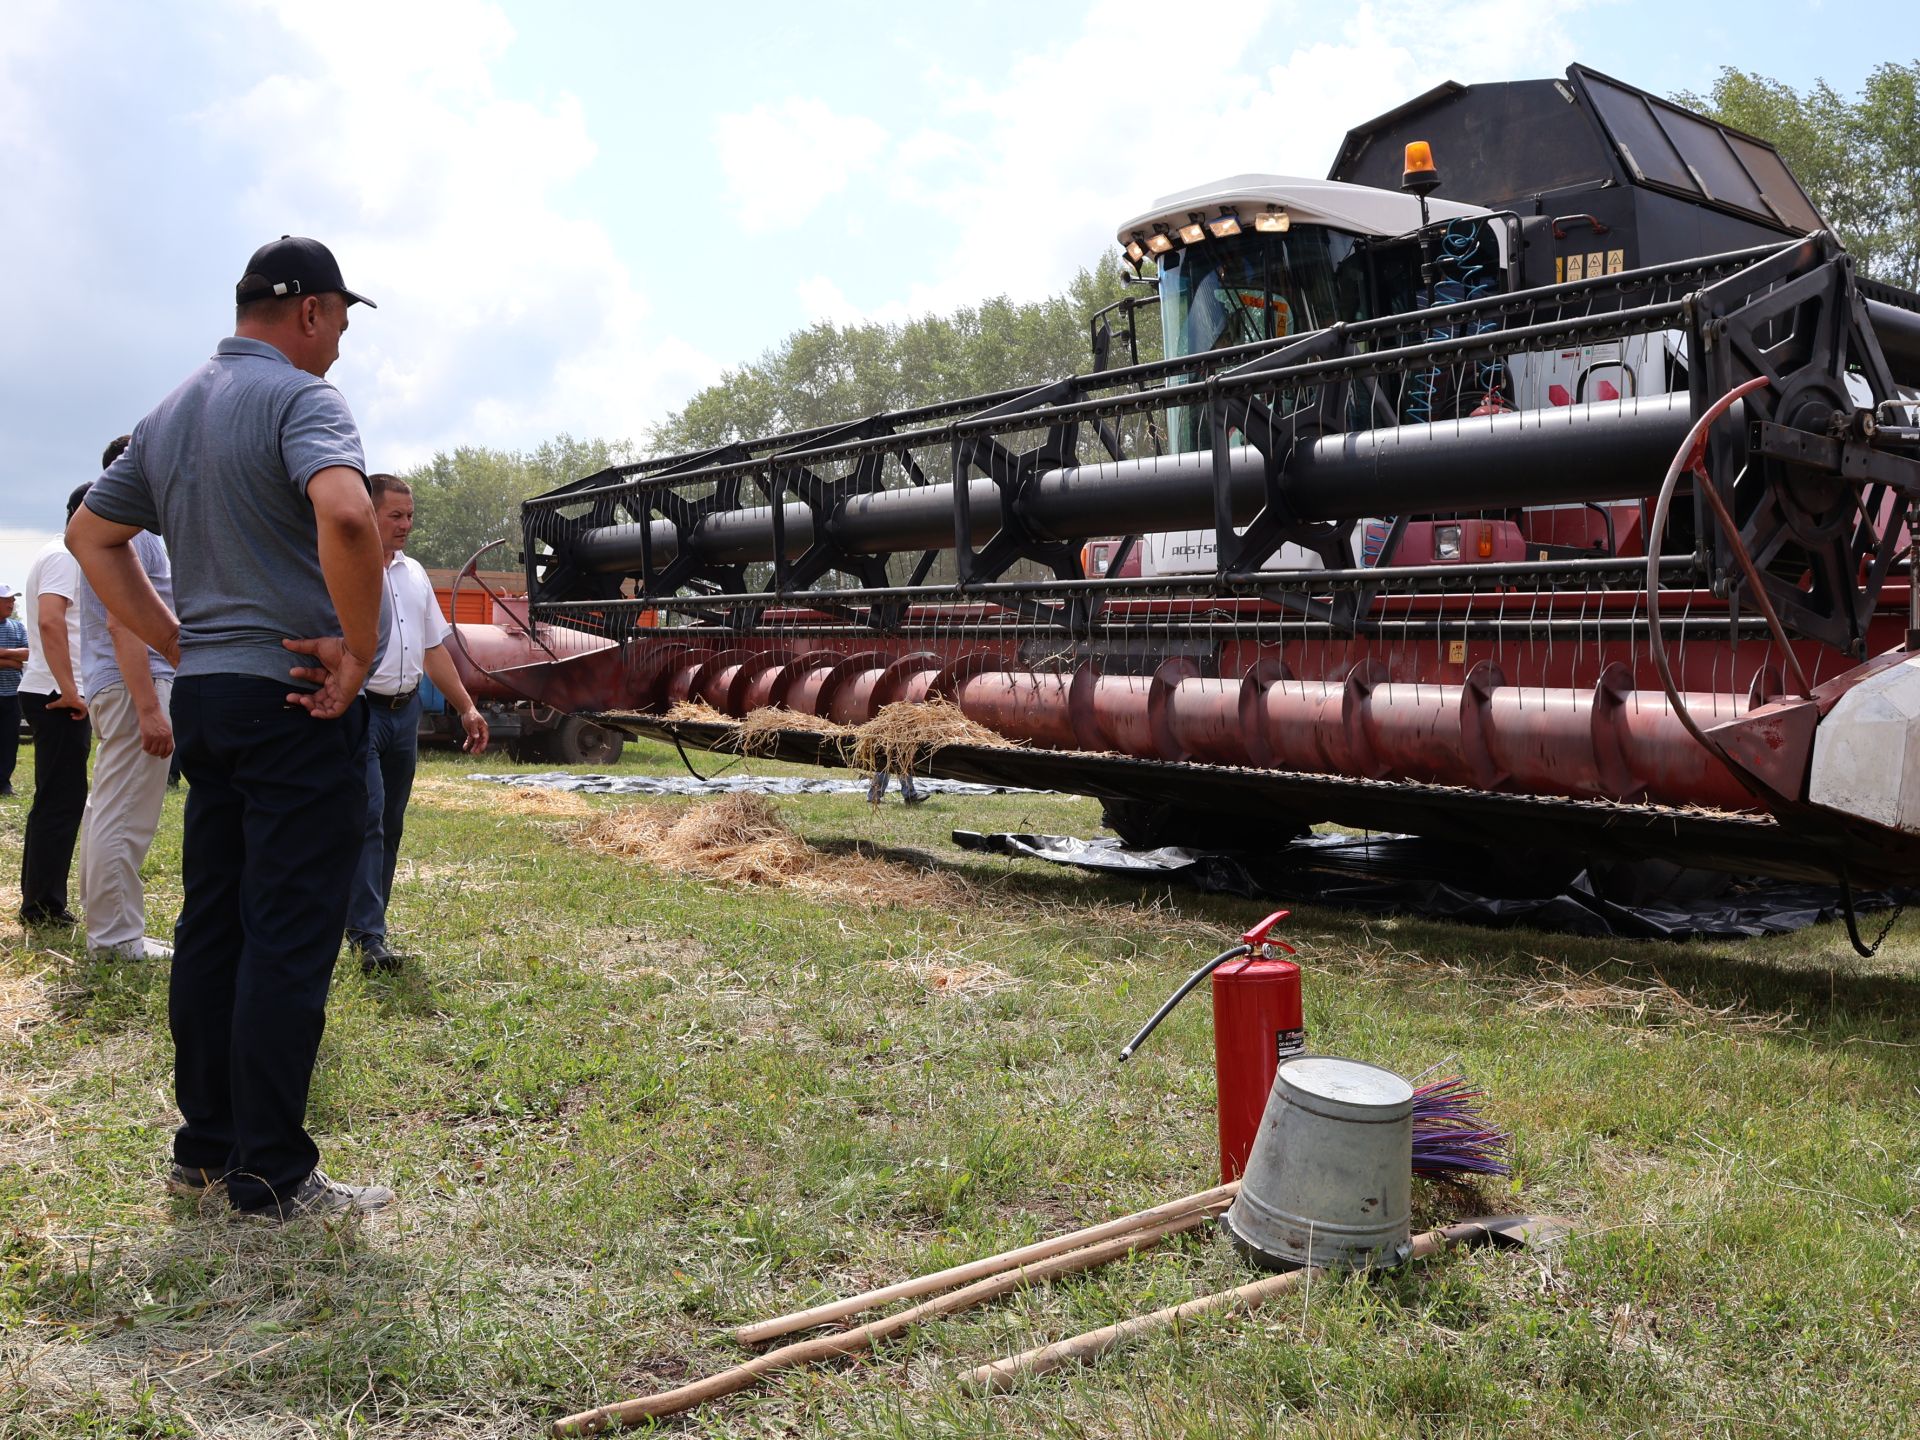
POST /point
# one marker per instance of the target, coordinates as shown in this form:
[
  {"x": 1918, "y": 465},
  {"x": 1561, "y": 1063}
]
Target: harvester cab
[{"x": 1544, "y": 182}]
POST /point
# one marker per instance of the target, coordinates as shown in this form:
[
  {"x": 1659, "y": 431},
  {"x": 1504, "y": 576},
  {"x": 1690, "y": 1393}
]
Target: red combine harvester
[{"x": 1556, "y": 500}]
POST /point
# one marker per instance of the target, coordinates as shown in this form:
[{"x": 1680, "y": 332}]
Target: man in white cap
[{"x": 13, "y": 659}]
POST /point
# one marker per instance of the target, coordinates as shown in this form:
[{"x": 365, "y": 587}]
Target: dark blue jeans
[
  {"x": 393, "y": 749},
  {"x": 273, "y": 823}
]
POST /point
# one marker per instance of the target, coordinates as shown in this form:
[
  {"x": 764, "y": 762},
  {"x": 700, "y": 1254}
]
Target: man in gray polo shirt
[{"x": 252, "y": 472}]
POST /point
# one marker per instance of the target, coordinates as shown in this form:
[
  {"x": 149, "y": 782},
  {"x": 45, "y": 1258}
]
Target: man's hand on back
[{"x": 339, "y": 675}]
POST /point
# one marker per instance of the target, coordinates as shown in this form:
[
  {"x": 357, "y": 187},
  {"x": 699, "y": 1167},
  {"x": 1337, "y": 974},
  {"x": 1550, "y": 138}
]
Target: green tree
[
  {"x": 471, "y": 495},
  {"x": 1858, "y": 158},
  {"x": 829, "y": 373}
]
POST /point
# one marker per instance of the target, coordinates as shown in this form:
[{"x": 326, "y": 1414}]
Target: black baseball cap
[{"x": 293, "y": 265}]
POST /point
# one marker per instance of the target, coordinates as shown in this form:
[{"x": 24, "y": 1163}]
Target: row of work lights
[{"x": 1162, "y": 238}]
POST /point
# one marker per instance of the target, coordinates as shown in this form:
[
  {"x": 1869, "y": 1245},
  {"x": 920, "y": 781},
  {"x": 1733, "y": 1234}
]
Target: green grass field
[{"x": 626, "y": 1110}]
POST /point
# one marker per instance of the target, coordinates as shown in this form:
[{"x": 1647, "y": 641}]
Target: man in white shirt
[
  {"x": 54, "y": 703},
  {"x": 415, "y": 644}
]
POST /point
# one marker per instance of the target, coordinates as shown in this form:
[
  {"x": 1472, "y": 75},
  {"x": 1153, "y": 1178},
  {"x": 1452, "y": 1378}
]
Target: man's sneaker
[
  {"x": 61, "y": 916},
  {"x": 189, "y": 1182},
  {"x": 145, "y": 948},
  {"x": 320, "y": 1198}
]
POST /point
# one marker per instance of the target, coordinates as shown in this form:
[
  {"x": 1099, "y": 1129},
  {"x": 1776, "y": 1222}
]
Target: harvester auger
[{"x": 1667, "y": 616}]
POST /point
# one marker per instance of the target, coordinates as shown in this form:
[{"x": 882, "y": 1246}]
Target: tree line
[
  {"x": 816, "y": 376},
  {"x": 1858, "y": 157}
]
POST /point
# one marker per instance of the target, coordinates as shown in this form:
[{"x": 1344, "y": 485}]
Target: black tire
[
  {"x": 575, "y": 741},
  {"x": 1145, "y": 825}
]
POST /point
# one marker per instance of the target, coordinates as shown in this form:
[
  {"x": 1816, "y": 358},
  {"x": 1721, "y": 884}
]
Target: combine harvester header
[{"x": 1553, "y": 467}]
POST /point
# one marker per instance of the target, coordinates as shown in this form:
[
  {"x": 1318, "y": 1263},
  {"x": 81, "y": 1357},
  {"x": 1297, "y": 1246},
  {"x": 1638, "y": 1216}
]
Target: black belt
[{"x": 392, "y": 702}]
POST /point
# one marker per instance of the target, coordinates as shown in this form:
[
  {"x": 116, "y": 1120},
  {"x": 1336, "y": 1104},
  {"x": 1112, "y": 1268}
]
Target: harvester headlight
[
  {"x": 1195, "y": 230},
  {"x": 1273, "y": 221},
  {"x": 1446, "y": 542},
  {"x": 1160, "y": 242},
  {"x": 1228, "y": 223},
  {"x": 1135, "y": 251}
]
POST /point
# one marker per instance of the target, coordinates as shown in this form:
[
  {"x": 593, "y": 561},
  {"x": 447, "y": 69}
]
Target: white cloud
[
  {"x": 17, "y": 549},
  {"x": 782, "y": 161},
  {"x": 504, "y": 317},
  {"x": 1066, "y": 162},
  {"x": 822, "y": 298}
]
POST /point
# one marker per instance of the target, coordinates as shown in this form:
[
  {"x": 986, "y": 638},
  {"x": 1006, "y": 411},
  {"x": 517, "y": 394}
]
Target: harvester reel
[
  {"x": 552, "y": 564},
  {"x": 1805, "y": 491}
]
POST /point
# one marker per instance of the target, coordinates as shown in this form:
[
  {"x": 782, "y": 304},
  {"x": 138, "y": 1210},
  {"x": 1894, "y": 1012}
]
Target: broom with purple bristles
[{"x": 1451, "y": 1137}]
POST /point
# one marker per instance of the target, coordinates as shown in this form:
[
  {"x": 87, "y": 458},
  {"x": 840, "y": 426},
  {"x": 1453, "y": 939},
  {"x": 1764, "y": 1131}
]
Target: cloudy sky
[{"x": 574, "y": 215}]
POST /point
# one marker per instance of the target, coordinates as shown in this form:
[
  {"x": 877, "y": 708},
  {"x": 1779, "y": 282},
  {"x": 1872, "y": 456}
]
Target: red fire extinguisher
[{"x": 1256, "y": 1024}]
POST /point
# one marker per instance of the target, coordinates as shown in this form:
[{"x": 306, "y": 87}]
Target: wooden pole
[
  {"x": 1212, "y": 1201},
  {"x": 1002, "y": 1374},
  {"x": 1505, "y": 1230},
  {"x": 853, "y": 1342}
]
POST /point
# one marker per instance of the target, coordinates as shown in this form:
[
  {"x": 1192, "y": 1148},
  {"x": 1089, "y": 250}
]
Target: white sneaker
[{"x": 145, "y": 948}]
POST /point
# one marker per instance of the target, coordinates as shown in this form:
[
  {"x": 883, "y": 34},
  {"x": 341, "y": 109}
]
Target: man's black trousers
[
  {"x": 274, "y": 817},
  {"x": 9, "y": 736},
  {"x": 61, "y": 743}
]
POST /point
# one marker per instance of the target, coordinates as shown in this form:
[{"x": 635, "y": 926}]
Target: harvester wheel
[
  {"x": 1145, "y": 825},
  {"x": 581, "y": 742}
]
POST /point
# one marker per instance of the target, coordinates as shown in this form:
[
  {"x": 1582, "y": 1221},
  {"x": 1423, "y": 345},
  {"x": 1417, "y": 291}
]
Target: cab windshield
[{"x": 1252, "y": 287}]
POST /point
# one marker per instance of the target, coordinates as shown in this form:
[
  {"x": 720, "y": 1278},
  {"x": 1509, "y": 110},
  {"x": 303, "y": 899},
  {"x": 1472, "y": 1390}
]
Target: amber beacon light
[{"x": 1420, "y": 175}]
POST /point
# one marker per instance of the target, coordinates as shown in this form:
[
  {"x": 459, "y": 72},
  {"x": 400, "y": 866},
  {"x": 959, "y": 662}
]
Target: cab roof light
[
  {"x": 1195, "y": 230},
  {"x": 1136, "y": 251},
  {"x": 1273, "y": 221},
  {"x": 1419, "y": 175},
  {"x": 1159, "y": 242},
  {"x": 1226, "y": 223}
]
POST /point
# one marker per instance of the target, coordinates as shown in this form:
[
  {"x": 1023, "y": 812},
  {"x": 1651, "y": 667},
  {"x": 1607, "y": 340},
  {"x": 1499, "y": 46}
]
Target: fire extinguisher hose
[{"x": 1186, "y": 988}]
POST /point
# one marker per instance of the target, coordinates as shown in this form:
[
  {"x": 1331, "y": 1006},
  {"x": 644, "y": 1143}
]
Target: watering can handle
[{"x": 1256, "y": 938}]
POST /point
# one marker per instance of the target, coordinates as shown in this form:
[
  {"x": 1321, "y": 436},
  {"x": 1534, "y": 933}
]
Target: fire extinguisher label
[{"x": 1288, "y": 1043}]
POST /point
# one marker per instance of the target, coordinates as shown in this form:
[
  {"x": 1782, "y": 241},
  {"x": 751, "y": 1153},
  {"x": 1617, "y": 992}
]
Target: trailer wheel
[
  {"x": 1145, "y": 825},
  {"x": 581, "y": 742}
]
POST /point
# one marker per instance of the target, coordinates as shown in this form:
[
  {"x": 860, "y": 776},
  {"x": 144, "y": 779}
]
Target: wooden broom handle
[
  {"x": 761, "y": 1331},
  {"x": 853, "y": 1342},
  {"x": 1001, "y": 1374}
]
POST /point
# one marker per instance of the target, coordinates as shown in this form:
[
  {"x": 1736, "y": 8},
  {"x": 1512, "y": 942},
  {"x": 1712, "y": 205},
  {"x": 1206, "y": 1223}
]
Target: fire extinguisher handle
[{"x": 1257, "y": 936}]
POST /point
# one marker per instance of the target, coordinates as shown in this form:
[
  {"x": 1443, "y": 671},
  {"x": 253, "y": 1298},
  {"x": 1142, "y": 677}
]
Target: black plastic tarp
[
  {"x": 1405, "y": 874},
  {"x": 727, "y": 784}
]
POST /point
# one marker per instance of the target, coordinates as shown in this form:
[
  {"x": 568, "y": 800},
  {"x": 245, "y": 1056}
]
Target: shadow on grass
[
  {"x": 108, "y": 995},
  {"x": 1817, "y": 996},
  {"x": 308, "y": 1319}
]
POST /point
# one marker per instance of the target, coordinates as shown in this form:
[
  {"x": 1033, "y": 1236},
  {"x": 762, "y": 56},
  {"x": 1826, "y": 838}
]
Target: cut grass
[{"x": 627, "y": 1107}]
